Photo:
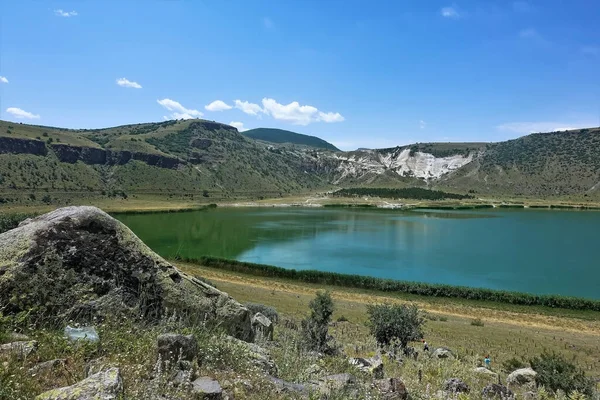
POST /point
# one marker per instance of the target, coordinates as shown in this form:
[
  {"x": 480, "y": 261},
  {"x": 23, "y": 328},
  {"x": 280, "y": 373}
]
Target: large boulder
[
  {"x": 455, "y": 385},
  {"x": 19, "y": 349},
  {"x": 79, "y": 262},
  {"x": 392, "y": 389},
  {"x": 103, "y": 385},
  {"x": 495, "y": 390},
  {"x": 522, "y": 376},
  {"x": 206, "y": 388},
  {"x": 442, "y": 352},
  {"x": 262, "y": 327}
]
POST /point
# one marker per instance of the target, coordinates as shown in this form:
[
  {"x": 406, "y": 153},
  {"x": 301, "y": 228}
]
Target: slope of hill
[
  {"x": 283, "y": 136},
  {"x": 203, "y": 157}
]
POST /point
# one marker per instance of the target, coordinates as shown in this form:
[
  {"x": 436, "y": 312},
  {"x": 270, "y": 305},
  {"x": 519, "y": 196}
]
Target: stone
[
  {"x": 86, "y": 333},
  {"x": 106, "y": 385},
  {"x": 206, "y": 388},
  {"x": 391, "y": 389},
  {"x": 522, "y": 376},
  {"x": 485, "y": 371},
  {"x": 19, "y": 349},
  {"x": 46, "y": 366},
  {"x": 284, "y": 387},
  {"x": 97, "y": 365},
  {"x": 494, "y": 390},
  {"x": 442, "y": 352},
  {"x": 258, "y": 356},
  {"x": 455, "y": 385},
  {"x": 335, "y": 382},
  {"x": 373, "y": 366},
  {"x": 91, "y": 265},
  {"x": 173, "y": 348},
  {"x": 262, "y": 327}
]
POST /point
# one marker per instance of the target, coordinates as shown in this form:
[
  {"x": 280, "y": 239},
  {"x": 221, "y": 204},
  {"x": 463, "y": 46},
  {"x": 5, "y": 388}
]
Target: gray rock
[
  {"x": 373, "y": 366},
  {"x": 46, "y": 367},
  {"x": 523, "y": 376},
  {"x": 95, "y": 266},
  {"x": 495, "y": 390},
  {"x": 86, "y": 333},
  {"x": 455, "y": 385},
  {"x": 206, "y": 388},
  {"x": 258, "y": 356},
  {"x": 173, "y": 348},
  {"x": 392, "y": 389},
  {"x": 97, "y": 365},
  {"x": 19, "y": 349},
  {"x": 442, "y": 352},
  {"x": 337, "y": 382},
  {"x": 101, "y": 386},
  {"x": 262, "y": 327},
  {"x": 284, "y": 387},
  {"x": 485, "y": 371}
]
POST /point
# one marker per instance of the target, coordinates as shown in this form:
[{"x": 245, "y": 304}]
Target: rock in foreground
[
  {"x": 103, "y": 385},
  {"x": 79, "y": 262}
]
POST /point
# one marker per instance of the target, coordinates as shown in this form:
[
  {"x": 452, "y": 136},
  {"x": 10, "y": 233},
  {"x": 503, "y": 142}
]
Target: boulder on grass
[
  {"x": 442, "y": 352},
  {"x": 262, "y": 327},
  {"x": 521, "y": 377},
  {"x": 103, "y": 385},
  {"x": 495, "y": 390},
  {"x": 392, "y": 389},
  {"x": 455, "y": 385},
  {"x": 206, "y": 388},
  {"x": 77, "y": 263}
]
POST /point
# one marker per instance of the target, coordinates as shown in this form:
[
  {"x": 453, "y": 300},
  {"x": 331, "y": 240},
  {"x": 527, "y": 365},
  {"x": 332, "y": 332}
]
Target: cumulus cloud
[
  {"x": 179, "y": 111},
  {"x": 238, "y": 125},
  {"x": 19, "y": 113},
  {"x": 218, "y": 105},
  {"x": 422, "y": 124},
  {"x": 62, "y": 13},
  {"x": 535, "y": 127},
  {"x": 3, "y": 79},
  {"x": 297, "y": 114},
  {"x": 248, "y": 108},
  {"x": 449, "y": 12},
  {"x": 127, "y": 83}
]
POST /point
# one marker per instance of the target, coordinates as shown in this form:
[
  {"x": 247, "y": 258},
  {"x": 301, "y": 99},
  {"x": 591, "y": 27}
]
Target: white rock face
[{"x": 419, "y": 165}]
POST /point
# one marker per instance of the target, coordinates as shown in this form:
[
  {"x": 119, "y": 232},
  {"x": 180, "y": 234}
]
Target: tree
[
  {"x": 314, "y": 328},
  {"x": 554, "y": 372},
  {"x": 388, "y": 323}
]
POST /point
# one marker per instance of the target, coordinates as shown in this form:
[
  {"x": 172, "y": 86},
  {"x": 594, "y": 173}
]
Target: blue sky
[{"x": 356, "y": 73}]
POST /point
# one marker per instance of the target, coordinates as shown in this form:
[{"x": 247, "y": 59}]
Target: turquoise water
[{"x": 535, "y": 251}]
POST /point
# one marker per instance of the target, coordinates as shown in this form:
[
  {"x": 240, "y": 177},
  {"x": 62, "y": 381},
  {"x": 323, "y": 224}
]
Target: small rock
[
  {"x": 262, "y": 327},
  {"x": 523, "y": 376},
  {"x": 20, "y": 349},
  {"x": 87, "y": 333},
  {"x": 206, "y": 388},
  {"x": 373, "y": 366},
  {"x": 442, "y": 352},
  {"x": 335, "y": 382},
  {"x": 45, "y": 367},
  {"x": 174, "y": 348},
  {"x": 259, "y": 356},
  {"x": 485, "y": 371},
  {"x": 455, "y": 385},
  {"x": 288, "y": 387},
  {"x": 495, "y": 390},
  {"x": 392, "y": 389},
  {"x": 104, "y": 386}
]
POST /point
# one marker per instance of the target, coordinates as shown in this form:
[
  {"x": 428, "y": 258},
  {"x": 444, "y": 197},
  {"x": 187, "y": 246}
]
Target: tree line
[{"x": 404, "y": 193}]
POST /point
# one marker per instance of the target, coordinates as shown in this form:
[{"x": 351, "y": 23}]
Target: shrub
[
  {"x": 314, "y": 328},
  {"x": 342, "y": 318},
  {"x": 477, "y": 322},
  {"x": 389, "y": 323},
  {"x": 513, "y": 364},
  {"x": 556, "y": 373},
  {"x": 267, "y": 311}
]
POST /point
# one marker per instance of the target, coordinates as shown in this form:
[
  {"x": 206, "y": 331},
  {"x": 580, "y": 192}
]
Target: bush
[
  {"x": 513, "y": 364},
  {"x": 389, "y": 323},
  {"x": 554, "y": 372},
  {"x": 314, "y": 328},
  {"x": 477, "y": 322},
  {"x": 342, "y": 318},
  {"x": 267, "y": 311}
]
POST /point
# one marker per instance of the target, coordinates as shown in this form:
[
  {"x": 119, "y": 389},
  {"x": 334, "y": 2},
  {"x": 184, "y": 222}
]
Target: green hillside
[{"x": 283, "y": 136}]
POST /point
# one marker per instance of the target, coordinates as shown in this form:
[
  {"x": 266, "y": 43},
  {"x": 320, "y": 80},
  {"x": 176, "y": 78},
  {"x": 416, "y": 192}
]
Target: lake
[{"x": 534, "y": 251}]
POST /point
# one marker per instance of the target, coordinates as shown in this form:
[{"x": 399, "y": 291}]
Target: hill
[{"x": 283, "y": 136}]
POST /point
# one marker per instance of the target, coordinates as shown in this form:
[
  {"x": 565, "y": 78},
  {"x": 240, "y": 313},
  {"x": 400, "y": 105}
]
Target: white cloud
[
  {"x": 218, "y": 105},
  {"x": 3, "y": 79},
  {"x": 449, "y": 12},
  {"x": 422, "y": 124},
  {"x": 589, "y": 50},
  {"x": 248, "y": 108},
  {"x": 18, "y": 113},
  {"x": 535, "y": 127},
  {"x": 297, "y": 114},
  {"x": 179, "y": 111},
  {"x": 268, "y": 23},
  {"x": 127, "y": 83},
  {"x": 62, "y": 13},
  {"x": 238, "y": 125}
]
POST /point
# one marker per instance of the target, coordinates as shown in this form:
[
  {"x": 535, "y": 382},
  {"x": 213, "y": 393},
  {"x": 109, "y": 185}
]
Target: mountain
[
  {"x": 282, "y": 136},
  {"x": 198, "y": 157}
]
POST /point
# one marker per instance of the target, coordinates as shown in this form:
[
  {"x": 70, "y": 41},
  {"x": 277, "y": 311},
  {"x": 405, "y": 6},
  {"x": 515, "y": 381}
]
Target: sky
[{"x": 355, "y": 73}]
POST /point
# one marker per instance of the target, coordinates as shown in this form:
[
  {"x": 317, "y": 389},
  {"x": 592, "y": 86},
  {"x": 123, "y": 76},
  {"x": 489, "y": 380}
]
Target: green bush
[
  {"x": 389, "y": 323},
  {"x": 405, "y": 193},
  {"x": 267, "y": 311},
  {"x": 477, "y": 322},
  {"x": 554, "y": 372},
  {"x": 513, "y": 364},
  {"x": 315, "y": 327}
]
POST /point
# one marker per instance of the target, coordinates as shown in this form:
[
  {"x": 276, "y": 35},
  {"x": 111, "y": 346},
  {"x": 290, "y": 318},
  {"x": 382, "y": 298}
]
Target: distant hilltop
[{"x": 282, "y": 136}]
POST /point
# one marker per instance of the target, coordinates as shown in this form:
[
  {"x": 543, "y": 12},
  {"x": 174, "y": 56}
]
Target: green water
[{"x": 535, "y": 251}]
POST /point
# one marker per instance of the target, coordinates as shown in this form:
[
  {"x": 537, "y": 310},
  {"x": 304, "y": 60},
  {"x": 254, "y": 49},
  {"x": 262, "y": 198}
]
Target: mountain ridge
[{"x": 281, "y": 136}]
